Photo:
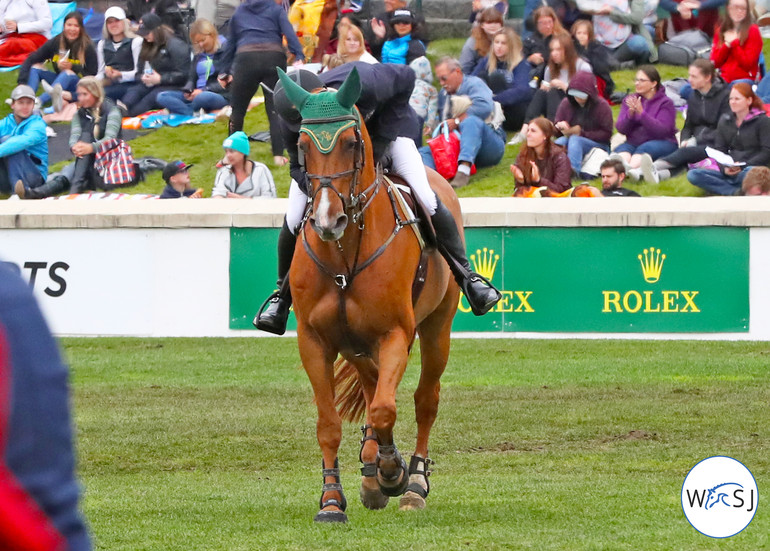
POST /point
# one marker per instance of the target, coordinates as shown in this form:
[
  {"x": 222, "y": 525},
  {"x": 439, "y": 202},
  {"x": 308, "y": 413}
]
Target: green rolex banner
[{"x": 684, "y": 279}]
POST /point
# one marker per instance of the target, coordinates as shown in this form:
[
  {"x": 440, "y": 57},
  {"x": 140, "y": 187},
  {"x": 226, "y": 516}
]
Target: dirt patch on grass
[
  {"x": 505, "y": 447},
  {"x": 633, "y": 435}
]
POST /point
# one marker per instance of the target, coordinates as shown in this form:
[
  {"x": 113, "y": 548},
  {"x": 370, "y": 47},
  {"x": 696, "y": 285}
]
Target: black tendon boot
[
  {"x": 274, "y": 313},
  {"x": 53, "y": 186},
  {"x": 481, "y": 294}
]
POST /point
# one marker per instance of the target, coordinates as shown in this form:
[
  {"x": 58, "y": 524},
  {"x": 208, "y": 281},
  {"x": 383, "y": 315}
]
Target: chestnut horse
[{"x": 353, "y": 299}]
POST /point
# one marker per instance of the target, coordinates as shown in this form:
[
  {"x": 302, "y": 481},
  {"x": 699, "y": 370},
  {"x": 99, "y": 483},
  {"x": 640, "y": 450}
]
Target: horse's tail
[{"x": 350, "y": 401}]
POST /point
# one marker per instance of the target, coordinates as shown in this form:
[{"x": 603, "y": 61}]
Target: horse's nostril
[{"x": 342, "y": 222}]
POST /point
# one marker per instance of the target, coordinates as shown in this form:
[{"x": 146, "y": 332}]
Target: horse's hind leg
[
  {"x": 318, "y": 364},
  {"x": 434, "y": 348}
]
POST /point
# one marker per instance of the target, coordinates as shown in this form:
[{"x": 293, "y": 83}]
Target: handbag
[
  {"x": 445, "y": 148},
  {"x": 115, "y": 163}
]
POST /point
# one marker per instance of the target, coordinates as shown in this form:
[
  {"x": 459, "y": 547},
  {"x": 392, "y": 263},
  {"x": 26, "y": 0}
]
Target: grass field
[{"x": 209, "y": 444}]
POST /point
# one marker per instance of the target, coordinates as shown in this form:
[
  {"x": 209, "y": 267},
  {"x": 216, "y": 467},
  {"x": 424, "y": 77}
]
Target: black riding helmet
[{"x": 284, "y": 107}]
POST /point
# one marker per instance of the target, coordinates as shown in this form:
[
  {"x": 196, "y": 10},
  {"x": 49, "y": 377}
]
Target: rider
[{"x": 391, "y": 122}]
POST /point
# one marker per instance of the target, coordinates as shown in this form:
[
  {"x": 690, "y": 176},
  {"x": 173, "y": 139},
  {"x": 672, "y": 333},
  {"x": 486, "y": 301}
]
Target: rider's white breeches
[{"x": 407, "y": 163}]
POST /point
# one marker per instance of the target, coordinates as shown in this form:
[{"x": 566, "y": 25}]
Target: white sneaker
[
  {"x": 634, "y": 173},
  {"x": 517, "y": 138},
  {"x": 56, "y": 99},
  {"x": 649, "y": 171},
  {"x": 46, "y": 86},
  {"x": 50, "y": 132}
]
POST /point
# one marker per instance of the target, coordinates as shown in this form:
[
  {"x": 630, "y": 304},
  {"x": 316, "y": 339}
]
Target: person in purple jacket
[
  {"x": 39, "y": 491},
  {"x": 648, "y": 119},
  {"x": 584, "y": 120}
]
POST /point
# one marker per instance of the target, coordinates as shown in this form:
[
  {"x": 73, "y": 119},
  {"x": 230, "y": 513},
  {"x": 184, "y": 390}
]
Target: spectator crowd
[{"x": 547, "y": 81}]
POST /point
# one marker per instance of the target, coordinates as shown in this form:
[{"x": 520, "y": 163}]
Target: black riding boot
[
  {"x": 274, "y": 313},
  {"x": 53, "y": 186},
  {"x": 481, "y": 294}
]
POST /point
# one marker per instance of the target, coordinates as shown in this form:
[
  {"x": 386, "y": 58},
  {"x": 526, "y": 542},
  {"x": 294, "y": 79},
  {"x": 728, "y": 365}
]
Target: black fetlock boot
[
  {"x": 274, "y": 313},
  {"x": 481, "y": 294},
  {"x": 53, "y": 186}
]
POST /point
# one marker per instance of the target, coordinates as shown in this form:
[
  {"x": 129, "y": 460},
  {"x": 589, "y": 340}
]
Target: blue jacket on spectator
[
  {"x": 480, "y": 94},
  {"x": 28, "y": 135},
  {"x": 517, "y": 88}
]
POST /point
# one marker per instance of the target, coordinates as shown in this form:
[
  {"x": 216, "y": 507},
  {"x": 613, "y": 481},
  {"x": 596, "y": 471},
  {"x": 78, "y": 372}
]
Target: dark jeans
[
  {"x": 544, "y": 104},
  {"x": 515, "y": 115},
  {"x": 116, "y": 91},
  {"x": 684, "y": 156},
  {"x": 19, "y": 166},
  {"x": 249, "y": 70},
  {"x": 140, "y": 98}
]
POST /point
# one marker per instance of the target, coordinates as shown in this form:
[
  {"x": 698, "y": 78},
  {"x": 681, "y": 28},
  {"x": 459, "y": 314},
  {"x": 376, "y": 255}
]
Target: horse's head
[{"x": 332, "y": 148}]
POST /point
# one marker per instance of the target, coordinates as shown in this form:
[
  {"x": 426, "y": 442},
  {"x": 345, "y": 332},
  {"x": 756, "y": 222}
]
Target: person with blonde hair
[
  {"x": 117, "y": 54},
  {"x": 203, "y": 90},
  {"x": 97, "y": 120},
  {"x": 351, "y": 46},
  {"x": 506, "y": 72}
]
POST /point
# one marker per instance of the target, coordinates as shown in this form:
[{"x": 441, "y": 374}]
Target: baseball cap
[
  {"x": 148, "y": 23},
  {"x": 173, "y": 168},
  {"x": 577, "y": 94},
  {"x": 115, "y": 12},
  {"x": 402, "y": 16},
  {"x": 22, "y": 91}
]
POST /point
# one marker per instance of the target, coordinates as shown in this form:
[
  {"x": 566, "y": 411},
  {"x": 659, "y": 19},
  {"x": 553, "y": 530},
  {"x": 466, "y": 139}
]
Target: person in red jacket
[{"x": 737, "y": 44}]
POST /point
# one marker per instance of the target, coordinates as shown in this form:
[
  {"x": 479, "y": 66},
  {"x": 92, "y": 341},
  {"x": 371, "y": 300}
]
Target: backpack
[{"x": 684, "y": 48}]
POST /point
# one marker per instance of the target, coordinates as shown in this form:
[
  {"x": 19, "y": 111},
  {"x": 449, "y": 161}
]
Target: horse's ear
[
  {"x": 294, "y": 92},
  {"x": 350, "y": 90}
]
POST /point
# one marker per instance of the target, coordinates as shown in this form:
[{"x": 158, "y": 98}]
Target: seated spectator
[
  {"x": 203, "y": 91},
  {"x": 506, "y": 72},
  {"x": 756, "y": 182},
  {"x": 240, "y": 177},
  {"x": 597, "y": 56},
  {"x": 424, "y": 98},
  {"x": 613, "y": 175},
  {"x": 73, "y": 56},
  {"x": 25, "y": 26},
  {"x": 96, "y": 121},
  {"x": 737, "y": 44},
  {"x": 379, "y": 25},
  {"x": 648, "y": 120},
  {"x": 619, "y": 27},
  {"x": 351, "y": 46},
  {"x": 165, "y": 62},
  {"x": 476, "y": 48},
  {"x": 563, "y": 64},
  {"x": 117, "y": 54},
  {"x": 540, "y": 161},
  {"x": 345, "y": 20},
  {"x": 167, "y": 10},
  {"x": 584, "y": 119},
  {"x": 177, "y": 180},
  {"x": 742, "y": 135},
  {"x": 480, "y": 144},
  {"x": 705, "y": 107},
  {"x": 537, "y": 46},
  {"x": 23, "y": 143},
  {"x": 305, "y": 17},
  {"x": 693, "y": 14},
  {"x": 402, "y": 47}
]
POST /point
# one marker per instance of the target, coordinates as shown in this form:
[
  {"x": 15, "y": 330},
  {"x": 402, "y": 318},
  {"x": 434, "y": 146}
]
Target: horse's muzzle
[{"x": 330, "y": 228}]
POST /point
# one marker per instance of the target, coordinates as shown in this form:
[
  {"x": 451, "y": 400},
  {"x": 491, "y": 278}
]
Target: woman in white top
[
  {"x": 352, "y": 47},
  {"x": 25, "y": 25},
  {"x": 118, "y": 54},
  {"x": 240, "y": 177}
]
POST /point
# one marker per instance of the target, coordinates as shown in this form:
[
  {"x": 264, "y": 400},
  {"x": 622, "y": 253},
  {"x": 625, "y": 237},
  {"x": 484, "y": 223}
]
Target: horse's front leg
[
  {"x": 318, "y": 362},
  {"x": 393, "y": 355}
]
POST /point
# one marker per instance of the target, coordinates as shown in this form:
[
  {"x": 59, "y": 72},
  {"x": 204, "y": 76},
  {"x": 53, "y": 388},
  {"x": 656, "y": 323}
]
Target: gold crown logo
[
  {"x": 652, "y": 264},
  {"x": 485, "y": 262}
]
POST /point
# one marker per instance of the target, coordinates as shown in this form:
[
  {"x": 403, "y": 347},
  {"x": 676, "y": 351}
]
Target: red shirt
[{"x": 736, "y": 60}]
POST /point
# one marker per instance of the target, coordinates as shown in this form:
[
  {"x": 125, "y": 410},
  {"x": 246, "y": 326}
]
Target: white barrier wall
[{"x": 162, "y": 268}]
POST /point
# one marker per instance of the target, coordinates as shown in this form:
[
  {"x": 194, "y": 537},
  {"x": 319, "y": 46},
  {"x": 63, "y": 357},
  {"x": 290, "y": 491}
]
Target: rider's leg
[
  {"x": 274, "y": 316},
  {"x": 481, "y": 294}
]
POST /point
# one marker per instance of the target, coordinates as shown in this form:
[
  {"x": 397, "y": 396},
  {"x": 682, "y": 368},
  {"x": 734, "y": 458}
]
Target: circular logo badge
[{"x": 719, "y": 496}]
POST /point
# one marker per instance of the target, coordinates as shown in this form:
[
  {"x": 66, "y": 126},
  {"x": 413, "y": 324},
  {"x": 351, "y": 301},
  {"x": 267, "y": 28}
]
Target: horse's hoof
[
  {"x": 411, "y": 501},
  {"x": 331, "y": 516},
  {"x": 372, "y": 498}
]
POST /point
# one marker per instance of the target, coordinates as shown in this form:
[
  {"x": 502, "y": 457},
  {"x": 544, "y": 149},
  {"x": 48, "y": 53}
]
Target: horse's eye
[{"x": 350, "y": 143}]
